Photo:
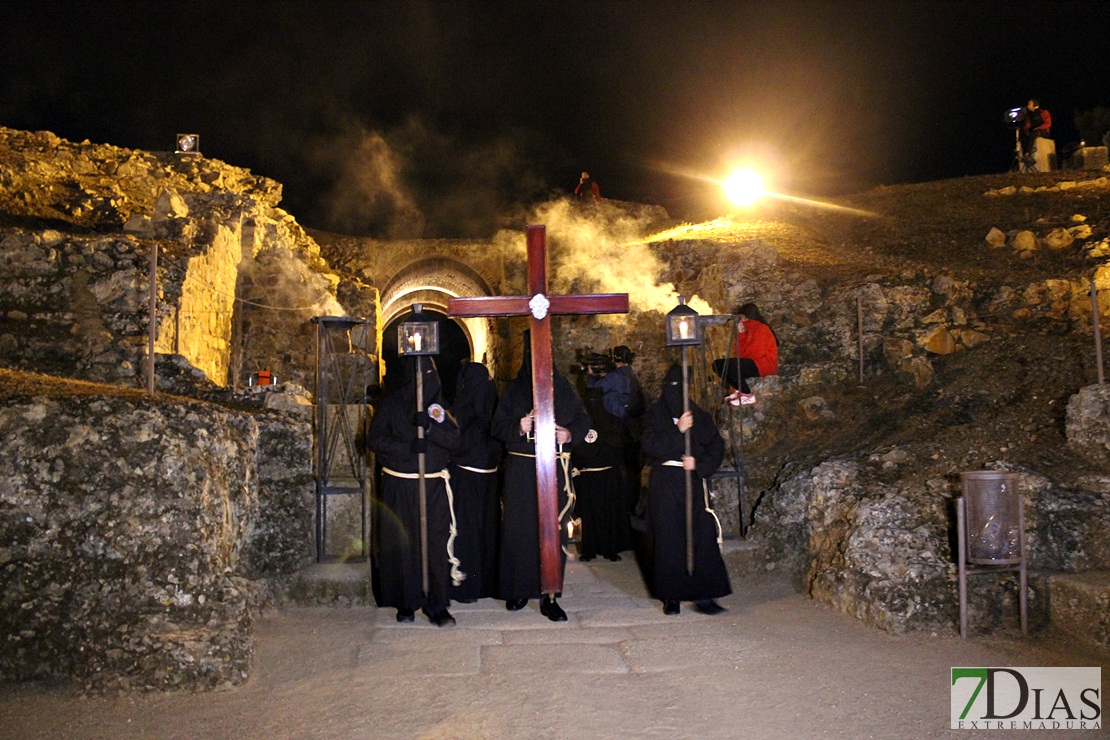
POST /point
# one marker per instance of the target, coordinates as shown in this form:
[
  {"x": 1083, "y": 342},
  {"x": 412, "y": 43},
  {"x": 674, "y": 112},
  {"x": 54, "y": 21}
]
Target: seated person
[
  {"x": 755, "y": 355},
  {"x": 1035, "y": 122}
]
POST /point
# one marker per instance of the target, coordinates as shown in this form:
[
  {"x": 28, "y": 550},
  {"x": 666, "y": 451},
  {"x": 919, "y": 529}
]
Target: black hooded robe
[
  {"x": 392, "y": 438},
  {"x": 477, "y": 503},
  {"x": 666, "y": 500},
  {"x": 599, "y": 486},
  {"x": 519, "y": 573}
]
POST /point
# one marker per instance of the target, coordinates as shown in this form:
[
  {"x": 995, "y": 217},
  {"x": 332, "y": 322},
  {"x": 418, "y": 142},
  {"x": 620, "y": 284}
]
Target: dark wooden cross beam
[{"x": 541, "y": 307}]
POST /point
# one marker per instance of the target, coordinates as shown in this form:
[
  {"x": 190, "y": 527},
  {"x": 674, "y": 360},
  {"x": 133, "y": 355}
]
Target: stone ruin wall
[
  {"x": 135, "y": 532},
  {"x": 238, "y": 278},
  {"x": 138, "y": 537}
]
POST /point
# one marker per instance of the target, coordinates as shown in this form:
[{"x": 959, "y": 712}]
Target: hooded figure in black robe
[
  {"x": 520, "y": 538},
  {"x": 474, "y": 480},
  {"x": 599, "y": 485},
  {"x": 663, "y": 442},
  {"x": 393, "y": 438}
]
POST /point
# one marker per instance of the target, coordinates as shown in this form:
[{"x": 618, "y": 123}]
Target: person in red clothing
[
  {"x": 755, "y": 355},
  {"x": 587, "y": 188},
  {"x": 1035, "y": 122}
]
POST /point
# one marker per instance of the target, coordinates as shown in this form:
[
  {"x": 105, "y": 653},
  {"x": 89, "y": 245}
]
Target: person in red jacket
[
  {"x": 587, "y": 188},
  {"x": 755, "y": 355},
  {"x": 1035, "y": 122}
]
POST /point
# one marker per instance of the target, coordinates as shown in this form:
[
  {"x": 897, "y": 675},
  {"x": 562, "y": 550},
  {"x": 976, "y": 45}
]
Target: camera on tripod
[
  {"x": 595, "y": 363},
  {"x": 1015, "y": 116}
]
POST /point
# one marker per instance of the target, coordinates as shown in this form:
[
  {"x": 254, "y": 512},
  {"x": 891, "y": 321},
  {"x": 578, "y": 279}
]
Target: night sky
[{"x": 444, "y": 118}]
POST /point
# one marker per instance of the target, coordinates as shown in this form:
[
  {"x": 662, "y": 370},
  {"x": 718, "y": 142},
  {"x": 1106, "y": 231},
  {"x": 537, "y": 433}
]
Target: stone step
[
  {"x": 348, "y": 584},
  {"x": 1079, "y": 606},
  {"x": 338, "y": 584},
  {"x": 745, "y": 559}
]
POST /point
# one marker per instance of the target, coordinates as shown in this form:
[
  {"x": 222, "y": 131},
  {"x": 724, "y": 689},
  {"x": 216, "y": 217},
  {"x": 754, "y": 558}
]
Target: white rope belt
[
  {"x": 476, "y": 470},
  {"x": 705, "y": 493},
  {"x": 576, "y": 471},
  {"x": 457, "y": 576},
  {"x": 564, "y": 462}
]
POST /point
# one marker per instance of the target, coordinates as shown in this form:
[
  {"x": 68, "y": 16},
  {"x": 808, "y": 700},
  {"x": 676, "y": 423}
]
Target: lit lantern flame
[
  {"x": 684, "y": 328},
  {"x": 744, "y": 187},
  {"x": 416, "y": 341}
]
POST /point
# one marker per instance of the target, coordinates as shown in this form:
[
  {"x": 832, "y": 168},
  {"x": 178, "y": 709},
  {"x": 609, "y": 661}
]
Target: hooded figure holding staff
[
  {"x": 395, "y": 440},
  {"x": 663, "y": 444}
]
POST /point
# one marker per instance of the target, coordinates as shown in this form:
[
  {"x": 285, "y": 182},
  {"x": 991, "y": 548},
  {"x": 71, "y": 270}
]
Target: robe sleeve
[
  {"x": 506, "y": 419},
  {"x": 661, "y": 439},
  {"x": 706, "y": 444},
  {"x": 390, "y": 436}
]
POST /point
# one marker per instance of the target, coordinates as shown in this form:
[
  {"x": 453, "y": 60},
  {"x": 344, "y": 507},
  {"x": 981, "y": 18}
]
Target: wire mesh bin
[
  {"x": 991, "y": 533},
  {"x": 993, "y": 517}
]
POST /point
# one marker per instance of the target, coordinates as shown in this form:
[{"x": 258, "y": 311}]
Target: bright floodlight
[{"x": 744, "y": 187}]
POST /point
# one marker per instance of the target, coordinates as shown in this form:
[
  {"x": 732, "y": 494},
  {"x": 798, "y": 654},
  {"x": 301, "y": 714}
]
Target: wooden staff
[
  {"x": 420, "y": 482},
  {"x": 689, "y": 473}
]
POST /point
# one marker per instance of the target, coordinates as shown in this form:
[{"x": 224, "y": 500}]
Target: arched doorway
[
  {"x": 454, "y": 349},
  {"x": 431, "y": 282}
]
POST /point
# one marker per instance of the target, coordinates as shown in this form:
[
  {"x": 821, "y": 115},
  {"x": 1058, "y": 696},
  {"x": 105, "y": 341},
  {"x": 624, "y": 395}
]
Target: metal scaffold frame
[
  {"x": 345, "y": 370},
  {"x": 710, "y": 390}
]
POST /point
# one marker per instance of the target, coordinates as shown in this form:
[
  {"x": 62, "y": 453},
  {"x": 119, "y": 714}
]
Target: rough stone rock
[
  {"x": 1059, "y": 238},
  {"x": 169, "y": 205},
  {"x": 996, "y": 238},
  {"x": 896, "y": 349},
  {"x": 919, "y": 369},
  {"x": 816, "y": 407},
  {"x": 939, "y": 341},
  {"x": 1083, "y": 231},
  {"x": 872, "y": 550},
  {"x": 969, "y": 338},
  {"x": 1081, "y": 607},
  {"x": 1024, "y": 241},
  {"x": 128, "y": 526},
  {"x": 1088, "y": 423}
]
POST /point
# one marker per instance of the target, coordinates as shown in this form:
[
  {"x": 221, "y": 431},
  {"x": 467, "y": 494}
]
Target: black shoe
[
  {"x": 709, "y": 606},
  {"x": 405, "y": 615},
  {"x": 586, "y": 558},
  {"x": 467, "y": 601},
  {"x": 551, "y": 609},
  {"x": 671, "y": 608},
  {"x": 440, "y": 617},
  {"x": 613, "y": 558},
  {"x": 515, "y": 605}
]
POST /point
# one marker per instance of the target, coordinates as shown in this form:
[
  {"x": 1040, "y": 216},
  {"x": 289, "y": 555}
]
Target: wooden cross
[{"x": 541, "y": 307}]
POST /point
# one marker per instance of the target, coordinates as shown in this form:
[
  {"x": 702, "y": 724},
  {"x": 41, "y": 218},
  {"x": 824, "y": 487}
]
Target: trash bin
[{"x": 993, "y": 517}]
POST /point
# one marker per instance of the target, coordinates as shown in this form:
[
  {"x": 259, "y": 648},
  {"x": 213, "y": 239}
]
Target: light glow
[{"x": 744, "y": 187}]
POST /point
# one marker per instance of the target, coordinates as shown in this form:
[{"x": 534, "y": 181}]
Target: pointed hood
[{"x": 672, "y": 391}]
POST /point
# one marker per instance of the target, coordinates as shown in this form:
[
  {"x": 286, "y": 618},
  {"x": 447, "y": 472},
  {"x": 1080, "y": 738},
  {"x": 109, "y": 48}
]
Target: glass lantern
[
  {"x": 419, "y": 336},
  {"x": 683, "y": 329}
]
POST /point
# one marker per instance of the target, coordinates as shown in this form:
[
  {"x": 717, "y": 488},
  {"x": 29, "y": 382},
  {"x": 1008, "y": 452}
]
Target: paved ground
[{"x": 775, "y": 665}]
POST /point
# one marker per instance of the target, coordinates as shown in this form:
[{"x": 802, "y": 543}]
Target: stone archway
[{"x": 431, "y": 281}]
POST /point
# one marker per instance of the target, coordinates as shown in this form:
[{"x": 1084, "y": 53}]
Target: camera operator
[
  {"x": 600, "y": 374},
  {"x": 1034, "y": 122}
]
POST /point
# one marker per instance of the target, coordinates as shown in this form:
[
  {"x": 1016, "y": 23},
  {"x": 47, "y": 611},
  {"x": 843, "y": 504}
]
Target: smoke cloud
[
  {"x": 602, "y": 249},
  {"x": 280, "y": 281}
]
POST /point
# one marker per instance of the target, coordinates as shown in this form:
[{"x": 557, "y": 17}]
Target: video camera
[
  {"x": 1015, "y": 116},
  {"x": 595, "y": 362}
]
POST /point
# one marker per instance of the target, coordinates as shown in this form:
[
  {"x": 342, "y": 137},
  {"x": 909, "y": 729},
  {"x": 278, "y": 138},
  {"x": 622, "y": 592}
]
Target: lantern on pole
[
  {"x": 419, "y": 337},
  {"x": 684, "y": 331}
]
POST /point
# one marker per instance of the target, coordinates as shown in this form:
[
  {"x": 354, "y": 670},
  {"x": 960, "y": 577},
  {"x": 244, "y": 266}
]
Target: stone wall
[
  {"x": 81, "y": 223},
  {"x": 130, "y": 528}
]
